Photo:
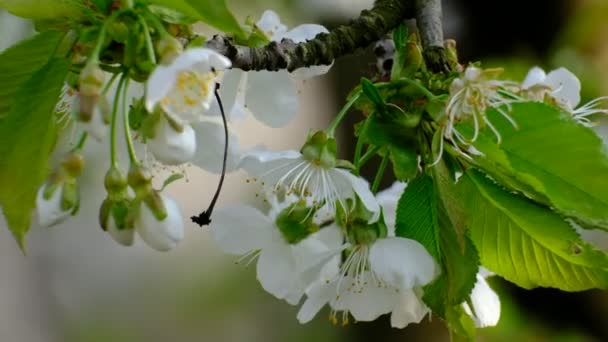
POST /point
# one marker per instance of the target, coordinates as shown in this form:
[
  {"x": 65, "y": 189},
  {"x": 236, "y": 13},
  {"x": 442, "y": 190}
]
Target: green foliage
[
  {"x": 44, "y": 9},
  {"x": 422, "y": 216},
  {"x": 551, "y": 158},
  {"x": 527, "y": 243},
  {"x": 212, "y": 12},
  {"x": 20, "y": 62},
  {"x": 27, "y": 136}
]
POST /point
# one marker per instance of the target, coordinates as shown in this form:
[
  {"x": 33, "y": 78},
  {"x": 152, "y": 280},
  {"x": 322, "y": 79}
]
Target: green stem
[
  {"x": 113, "y": 123},
  {"x": 371, "y": 152},
  {"x": 109, "y": 84},
  {"x": 405, "y": 80},
  {"x": 331, "y": 130},
  {"x": 359, "y": 146},
  {"x": 128, "y": 138},
  {"x": 149, "y": 44},
  {"x": 380, "y": 174},
  {"x": 127, "y": 3},
  {"x": 81, "y": 142}
]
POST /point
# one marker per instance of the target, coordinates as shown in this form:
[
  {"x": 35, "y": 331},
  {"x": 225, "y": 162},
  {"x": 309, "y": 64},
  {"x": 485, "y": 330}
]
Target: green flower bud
[
  {"x": 73, "y": 164},
  {"x": 140, "y": 180},
  {"x": 70, "y": 197},
  {"x": 155, "y": 203},
  {"x": 115, "y": 182}
]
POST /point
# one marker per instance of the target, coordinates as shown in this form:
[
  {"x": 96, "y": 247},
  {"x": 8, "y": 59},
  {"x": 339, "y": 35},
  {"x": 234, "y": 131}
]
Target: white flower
[
  {"x": 271, "y": 97},
  {"x": 470, "y": 97},
  {"x": 388, "y": 200},
  {"x": 563, "y": 86},
  {"x": 486, "y": 304},
  {"x": 283, "y": 269},
  {"x": 290, "y": 171},
  {"x": 50, "y": 211},
  {"x": 210, "y": 139},
  {"x": 123, "y": 236},
  {"x": 270, "y": 24},
  {"x": 97, "y": 110},
  {"x": 164, "y": 234},
  {"x": 170, "y": 146},
  {"x": 376, "y": 279},
  {"x": 560, "y": 84},
  {"x": 184, "y": 89}
]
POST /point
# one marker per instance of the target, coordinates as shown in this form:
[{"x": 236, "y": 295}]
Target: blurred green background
[{"x": 77, "y": 285}]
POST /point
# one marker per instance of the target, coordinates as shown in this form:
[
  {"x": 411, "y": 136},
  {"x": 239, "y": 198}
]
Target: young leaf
[
  {"x": 212, "y": 12},
  {"x": 551, "y": 158},
  {"x": 421, "y": 216},
  {"x": 20, "y": 62},
  {"x": 527, "y": 243},
  {"x": 44, "y": 9},
  {"x": 27, "y": 136},
  {"x": 372, "y": 93}
]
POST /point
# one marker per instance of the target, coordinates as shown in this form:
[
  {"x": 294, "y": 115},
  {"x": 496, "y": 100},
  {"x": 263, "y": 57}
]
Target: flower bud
[
  {"x": 172, "y": 143},
  {"x": 91, "y": 80},
  {"x": 160, "y": 234},
  {"x": 113, "y": 219},
  {"x": 48, "y": 205},
  {"x": 140, "y": 180},
  {"x": 168, "y": 48},
  {"x": 73, "y": 164},
  {"x": 115, "y": 182}
]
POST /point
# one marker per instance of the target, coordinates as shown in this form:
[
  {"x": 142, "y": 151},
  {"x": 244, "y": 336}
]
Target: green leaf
[
  {"x": 20, "y": 62},
  {"x": 27, "y": 136},
  {"x": 212, "y": 12},
  {"x": 422, "y": 216},
  {"x": 173, "y": 178},
  {"x": 405, "y": 162},
  {"x": 527, "y": 243},
  {"x": 551, "y": 158},
  {"x": 372, "y": 93},
  {"x": 44, "y": 9}
]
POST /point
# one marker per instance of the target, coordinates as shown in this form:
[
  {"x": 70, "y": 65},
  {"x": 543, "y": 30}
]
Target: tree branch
[
  {"x": 429, "y": 22},
  {"x": 369, "y": 27}
]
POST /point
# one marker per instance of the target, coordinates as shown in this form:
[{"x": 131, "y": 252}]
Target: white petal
[
  {"x": 202, "y": 60},
  {"x": 566, "y": 87},
  {"x": 240, "y": 229},
  {"x": 409, "y": 309},
  {"x": 367, "y": 303},
  {"x": 96, "y": 127},
  {"x": 159, "y": 85},
  {"x": 232, "y": 92},
  {"x": 534, "y": 77},
  {"x": 49, "y": 211},
  {"x": 301, "y": 34},
  {"x": 317, "y": 296},
  {"x": 361, "y": 187},
  {"x": 272, "y": 97},
  {"x": 388, "y": 199},
  {"x": 210, "y": 140},
  {"x": 270, "y": 24},
  {"x": 161, "y": 235},
  {"x": 124, "y": 237},
  {"x": 239, "y": 107},
  {"x": 401, "y": 262},
  {"x": 278, "y": 274},
  {"x": 270, "y": 166},
  {"x": 486, "y": 304},
  {"x": 171, "y": 147}
]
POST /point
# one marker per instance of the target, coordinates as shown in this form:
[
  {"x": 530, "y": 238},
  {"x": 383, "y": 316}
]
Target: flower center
[{"x": 191, "y": 96}]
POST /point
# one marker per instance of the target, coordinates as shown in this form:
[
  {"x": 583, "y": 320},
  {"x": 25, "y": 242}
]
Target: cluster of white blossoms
[
  {"x": 345, "y": 257},
  {"x": 183, "y": 125},
  {"x": 478, "y": 90}
]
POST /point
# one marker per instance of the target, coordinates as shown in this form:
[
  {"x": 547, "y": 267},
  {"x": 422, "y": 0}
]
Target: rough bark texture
[
  {"x": 429, "y": 22},
  {"x": 369, "y": 27}
]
